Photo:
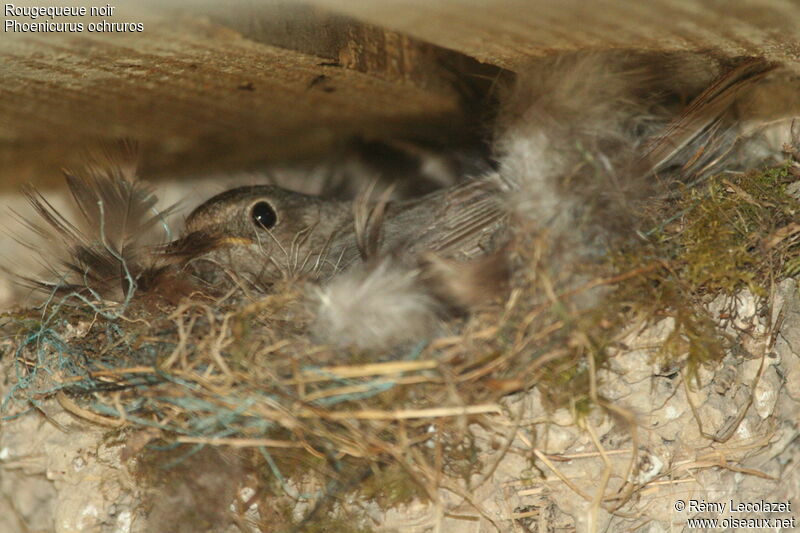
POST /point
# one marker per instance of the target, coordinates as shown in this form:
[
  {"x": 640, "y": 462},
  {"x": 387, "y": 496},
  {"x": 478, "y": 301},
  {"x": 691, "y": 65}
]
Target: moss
[
  {"x": 391, "y": 485},
  {"x": 461, "y": 458},
  {"x": 726, "y": 237},
  {"x": 695, "y": 334},
  {"x": 733, "y": 232},
  {"x": 723, "y": 244},
  {"x": 340, "y": 522}
]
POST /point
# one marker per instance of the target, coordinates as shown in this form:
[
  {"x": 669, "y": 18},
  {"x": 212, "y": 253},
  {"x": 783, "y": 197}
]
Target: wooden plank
[
  {"x": 229, "y": 86},
  {"x": 199, "y": 95},
  {"x": 507, "y": 33}
]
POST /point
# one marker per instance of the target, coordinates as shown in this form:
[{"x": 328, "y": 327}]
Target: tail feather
[{"x": 700, "y": 134}]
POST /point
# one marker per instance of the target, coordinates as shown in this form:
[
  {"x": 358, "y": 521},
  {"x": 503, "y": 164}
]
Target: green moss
[
  {"x": 726, "y": 225},
  {"x": 582, "y": 407},
  {"x": 390, "y": 486},
  {"x": 461, "y": 458},
  {"x": 727, "y": 236},
  {"x": 341, "y": 523},
  {"x": 732, "y": 232}
]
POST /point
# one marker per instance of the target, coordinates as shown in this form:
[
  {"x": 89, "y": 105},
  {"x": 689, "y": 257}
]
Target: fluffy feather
[
  {"x": 464, "y": 285},
  {"x": 566, "y": 129},
  {"x": 104, "y": 251},
  {"x": 375, "y": 307},
  {"x": 583, "y": 138}
]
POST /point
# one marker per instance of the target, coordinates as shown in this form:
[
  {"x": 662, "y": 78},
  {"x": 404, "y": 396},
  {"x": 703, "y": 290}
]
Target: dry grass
[{"x": 316, "y": 423}]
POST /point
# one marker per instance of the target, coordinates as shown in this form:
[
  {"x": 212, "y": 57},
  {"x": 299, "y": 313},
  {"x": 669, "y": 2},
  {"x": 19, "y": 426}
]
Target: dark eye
[{"x": 264, "y": 215}]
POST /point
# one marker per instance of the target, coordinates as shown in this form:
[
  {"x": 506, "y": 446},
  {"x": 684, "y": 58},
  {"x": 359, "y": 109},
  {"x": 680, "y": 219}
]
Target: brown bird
[
  {"x": 264, "y": 232},
  {"x": 256, "y": 234}
]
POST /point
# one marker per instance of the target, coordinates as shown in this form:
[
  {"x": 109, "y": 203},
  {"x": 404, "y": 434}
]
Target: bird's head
[{"x": 262, "y": 231}]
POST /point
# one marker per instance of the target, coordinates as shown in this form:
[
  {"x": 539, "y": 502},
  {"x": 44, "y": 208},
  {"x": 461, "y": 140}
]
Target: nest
[
  {"x": 239, "y": 370},
  {"x": 228, "y": 377}
]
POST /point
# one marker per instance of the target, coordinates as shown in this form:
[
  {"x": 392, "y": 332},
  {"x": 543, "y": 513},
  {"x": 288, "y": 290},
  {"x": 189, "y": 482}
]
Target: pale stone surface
[{"x": 62, "y": 478}]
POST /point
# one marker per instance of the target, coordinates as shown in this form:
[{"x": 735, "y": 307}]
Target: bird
[{"x": 263, "y": 232}]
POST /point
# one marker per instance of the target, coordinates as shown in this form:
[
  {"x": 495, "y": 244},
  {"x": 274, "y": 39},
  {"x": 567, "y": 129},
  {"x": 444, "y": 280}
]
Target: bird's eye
[{"x": 264, "y": 215}]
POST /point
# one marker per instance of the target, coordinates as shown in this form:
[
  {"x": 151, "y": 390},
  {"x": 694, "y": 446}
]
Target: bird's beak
[
  {"x": 234, "y": 241},
  {"x": 197, "y": 243}
]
